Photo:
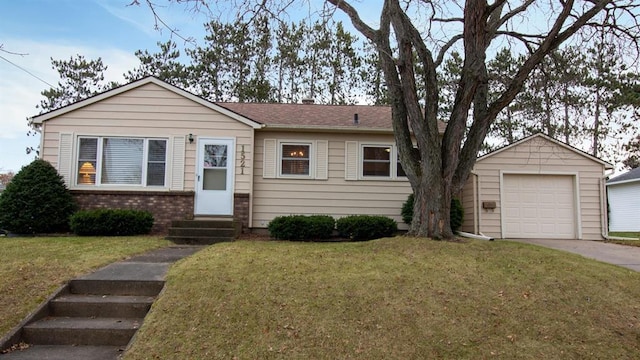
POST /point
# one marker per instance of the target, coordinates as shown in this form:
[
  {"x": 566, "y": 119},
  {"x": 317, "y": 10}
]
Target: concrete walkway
[
  {"x": 140, "y": 277},
  {"x": 621, "y": 255}
]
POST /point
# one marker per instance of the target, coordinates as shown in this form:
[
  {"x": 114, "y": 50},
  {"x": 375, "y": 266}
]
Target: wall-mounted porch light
[{"x": 190, "y": 138}]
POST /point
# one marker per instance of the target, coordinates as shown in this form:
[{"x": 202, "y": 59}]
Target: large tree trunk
[{"x": 431, "y": 208}]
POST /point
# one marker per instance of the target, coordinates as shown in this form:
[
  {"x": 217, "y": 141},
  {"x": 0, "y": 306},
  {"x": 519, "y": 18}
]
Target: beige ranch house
[{"x": 150, "y": 145}]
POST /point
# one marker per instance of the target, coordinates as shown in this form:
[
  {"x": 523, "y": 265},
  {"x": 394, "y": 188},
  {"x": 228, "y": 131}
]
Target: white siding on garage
[
  {"x": 624, "y": 206},
  {"x": 538, "y": 206}
]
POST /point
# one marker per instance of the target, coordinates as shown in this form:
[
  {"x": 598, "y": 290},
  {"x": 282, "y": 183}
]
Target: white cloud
[{"x": 20, "y": 92}]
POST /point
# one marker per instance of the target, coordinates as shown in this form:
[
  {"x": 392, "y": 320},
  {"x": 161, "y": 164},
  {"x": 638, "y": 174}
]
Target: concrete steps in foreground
[{"x": 95, "y": 316}]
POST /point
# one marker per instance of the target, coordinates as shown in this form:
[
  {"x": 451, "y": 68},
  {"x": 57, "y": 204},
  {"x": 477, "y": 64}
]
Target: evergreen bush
[
  {"x": 36, "y": 201},
  {"x": 111, "y": 222},
  {"x": 366, "y": 227},
  {"x": 301, "y": 227}
]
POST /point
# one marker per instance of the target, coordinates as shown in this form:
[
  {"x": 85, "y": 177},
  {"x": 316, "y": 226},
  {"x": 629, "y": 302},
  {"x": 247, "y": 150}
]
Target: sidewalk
[{"x": 621, "y": 255}]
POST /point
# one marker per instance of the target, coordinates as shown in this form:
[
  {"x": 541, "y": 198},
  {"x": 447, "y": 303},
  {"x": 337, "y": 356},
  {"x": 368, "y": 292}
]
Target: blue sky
[
  {"x": 42, "y": 29},
  {"x": 59, "y": 29}
]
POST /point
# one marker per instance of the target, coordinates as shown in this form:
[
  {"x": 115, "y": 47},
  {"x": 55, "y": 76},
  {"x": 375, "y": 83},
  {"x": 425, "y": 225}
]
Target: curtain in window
[{"x": 122, "y": 161}]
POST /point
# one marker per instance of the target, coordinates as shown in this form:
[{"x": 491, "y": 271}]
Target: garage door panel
[{"x": 539, "y": 206}]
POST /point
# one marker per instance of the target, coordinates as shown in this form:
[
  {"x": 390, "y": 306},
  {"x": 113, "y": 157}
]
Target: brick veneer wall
[
  {"x": 165, "y": 206},
  {"x": 241, "y": 210}
]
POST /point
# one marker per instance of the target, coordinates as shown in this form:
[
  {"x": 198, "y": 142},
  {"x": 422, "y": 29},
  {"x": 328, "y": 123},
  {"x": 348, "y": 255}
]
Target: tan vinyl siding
[
  {"x": 335, "y": 195},
  {"x": 152, "y": 111},
  {"x": 468, "y": 204},
  {"x": 540, "y": 156}
]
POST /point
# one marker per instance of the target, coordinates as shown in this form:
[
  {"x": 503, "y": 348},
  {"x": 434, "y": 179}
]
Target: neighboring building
[
  {"x": 624, "y": 201},
  {"x": 154, "y": 146}
]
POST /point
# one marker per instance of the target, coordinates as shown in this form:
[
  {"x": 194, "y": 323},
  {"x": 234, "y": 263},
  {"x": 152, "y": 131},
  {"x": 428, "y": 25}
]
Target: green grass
[
  {"x": 396, "y": 298},
  {"x": 32, "y": 268},
  {"x": 629, "y": 234},
  {"x": 635, "y": 235}
]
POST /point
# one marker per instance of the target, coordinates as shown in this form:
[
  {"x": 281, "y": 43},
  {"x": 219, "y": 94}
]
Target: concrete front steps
[
  {"x": 92, "y": 319},
  {"x": 203, "y": 231},
  {"x": 95, "y": 316}
]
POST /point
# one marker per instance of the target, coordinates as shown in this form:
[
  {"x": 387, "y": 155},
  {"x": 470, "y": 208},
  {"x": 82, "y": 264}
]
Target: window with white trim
[
  {"x": 380, "y": 161},
  {"x": 295, "y": 159},
  {"x": 376, "y": 161},
  {"x": 121, "y": 161}
]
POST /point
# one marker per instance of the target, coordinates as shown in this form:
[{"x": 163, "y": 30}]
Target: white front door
[{"x": 215, "y": 176}]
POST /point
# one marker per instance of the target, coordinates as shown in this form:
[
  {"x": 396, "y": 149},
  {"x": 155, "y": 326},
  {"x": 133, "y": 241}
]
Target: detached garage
[{"x": 539, "y": 188}]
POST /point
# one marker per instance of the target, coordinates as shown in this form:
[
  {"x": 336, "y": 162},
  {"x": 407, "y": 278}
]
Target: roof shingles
[
  {"x": 631, "y": 175},
  {"x": 317, "y": 116}
]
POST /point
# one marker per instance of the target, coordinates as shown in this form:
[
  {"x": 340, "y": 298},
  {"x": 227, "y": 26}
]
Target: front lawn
[
  {"x": 395, "y": 298},
  {"x": 32, "y": 268}
]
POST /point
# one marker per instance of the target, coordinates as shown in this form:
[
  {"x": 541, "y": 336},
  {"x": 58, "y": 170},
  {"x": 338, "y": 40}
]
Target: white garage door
[{"x": 538, "y": 206}]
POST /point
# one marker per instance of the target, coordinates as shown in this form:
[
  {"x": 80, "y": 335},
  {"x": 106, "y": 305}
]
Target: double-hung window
[
  {"x": 295, "y": 159},
  {"x": 376, "y": 161},
  {"x": 380, "y": 162},
  {"x": 122, "y": 161}
]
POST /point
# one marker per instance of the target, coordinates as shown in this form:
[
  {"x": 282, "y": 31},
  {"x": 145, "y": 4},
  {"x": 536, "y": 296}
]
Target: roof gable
[
  {"x": 630, "y": 176},
  {"x": 550, "y": 139},
  {"x": 39, "y": 119}
]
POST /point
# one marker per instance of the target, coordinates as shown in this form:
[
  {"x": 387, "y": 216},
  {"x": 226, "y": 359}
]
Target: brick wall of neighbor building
[
  {"x": 165, "y": 206},
  {"x": 241, "y": 210}
]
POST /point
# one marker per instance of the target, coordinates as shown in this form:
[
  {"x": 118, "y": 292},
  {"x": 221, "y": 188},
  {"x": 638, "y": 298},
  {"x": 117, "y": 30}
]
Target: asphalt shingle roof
[
  {"x": 632, "y": 174},
  {"x": 317, "y": 115}
]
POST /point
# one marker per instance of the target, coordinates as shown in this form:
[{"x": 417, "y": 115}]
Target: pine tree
[
  {"x": 163, "y": 65},
  {"x": 79, "y": 79}
]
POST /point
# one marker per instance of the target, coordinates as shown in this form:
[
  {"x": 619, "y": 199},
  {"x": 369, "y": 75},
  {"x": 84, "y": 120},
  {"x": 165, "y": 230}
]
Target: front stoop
[{"x": 203, "y": 231}]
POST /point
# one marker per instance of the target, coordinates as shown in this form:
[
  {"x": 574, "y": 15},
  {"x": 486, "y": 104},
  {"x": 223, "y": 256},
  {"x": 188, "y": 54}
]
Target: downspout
[
  {"x": 476, "y": 204},
  {"x": 604, "y": 225},
  {"x": 474, "y": 236},
  {"x": 476, "y": 214},
  {"x": 605, "y": 210}
]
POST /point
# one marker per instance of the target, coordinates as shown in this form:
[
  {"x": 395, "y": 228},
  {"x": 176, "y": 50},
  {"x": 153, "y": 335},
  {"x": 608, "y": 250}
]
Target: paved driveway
[{"x": 625, "y": 256}]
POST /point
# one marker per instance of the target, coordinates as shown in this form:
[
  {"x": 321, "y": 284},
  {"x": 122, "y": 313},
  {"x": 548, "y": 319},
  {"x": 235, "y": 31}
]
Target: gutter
[
  {"x": 331, "y": 129},
  {"x": 604, "y": 211},
  {"x": 474, "y": 236}
]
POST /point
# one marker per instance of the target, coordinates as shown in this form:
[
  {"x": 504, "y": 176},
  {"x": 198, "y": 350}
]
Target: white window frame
[
  {"x": 145, "y": 163},
  {"x": 393, "y": 162},
  {"x": 311, "y": 155}
]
